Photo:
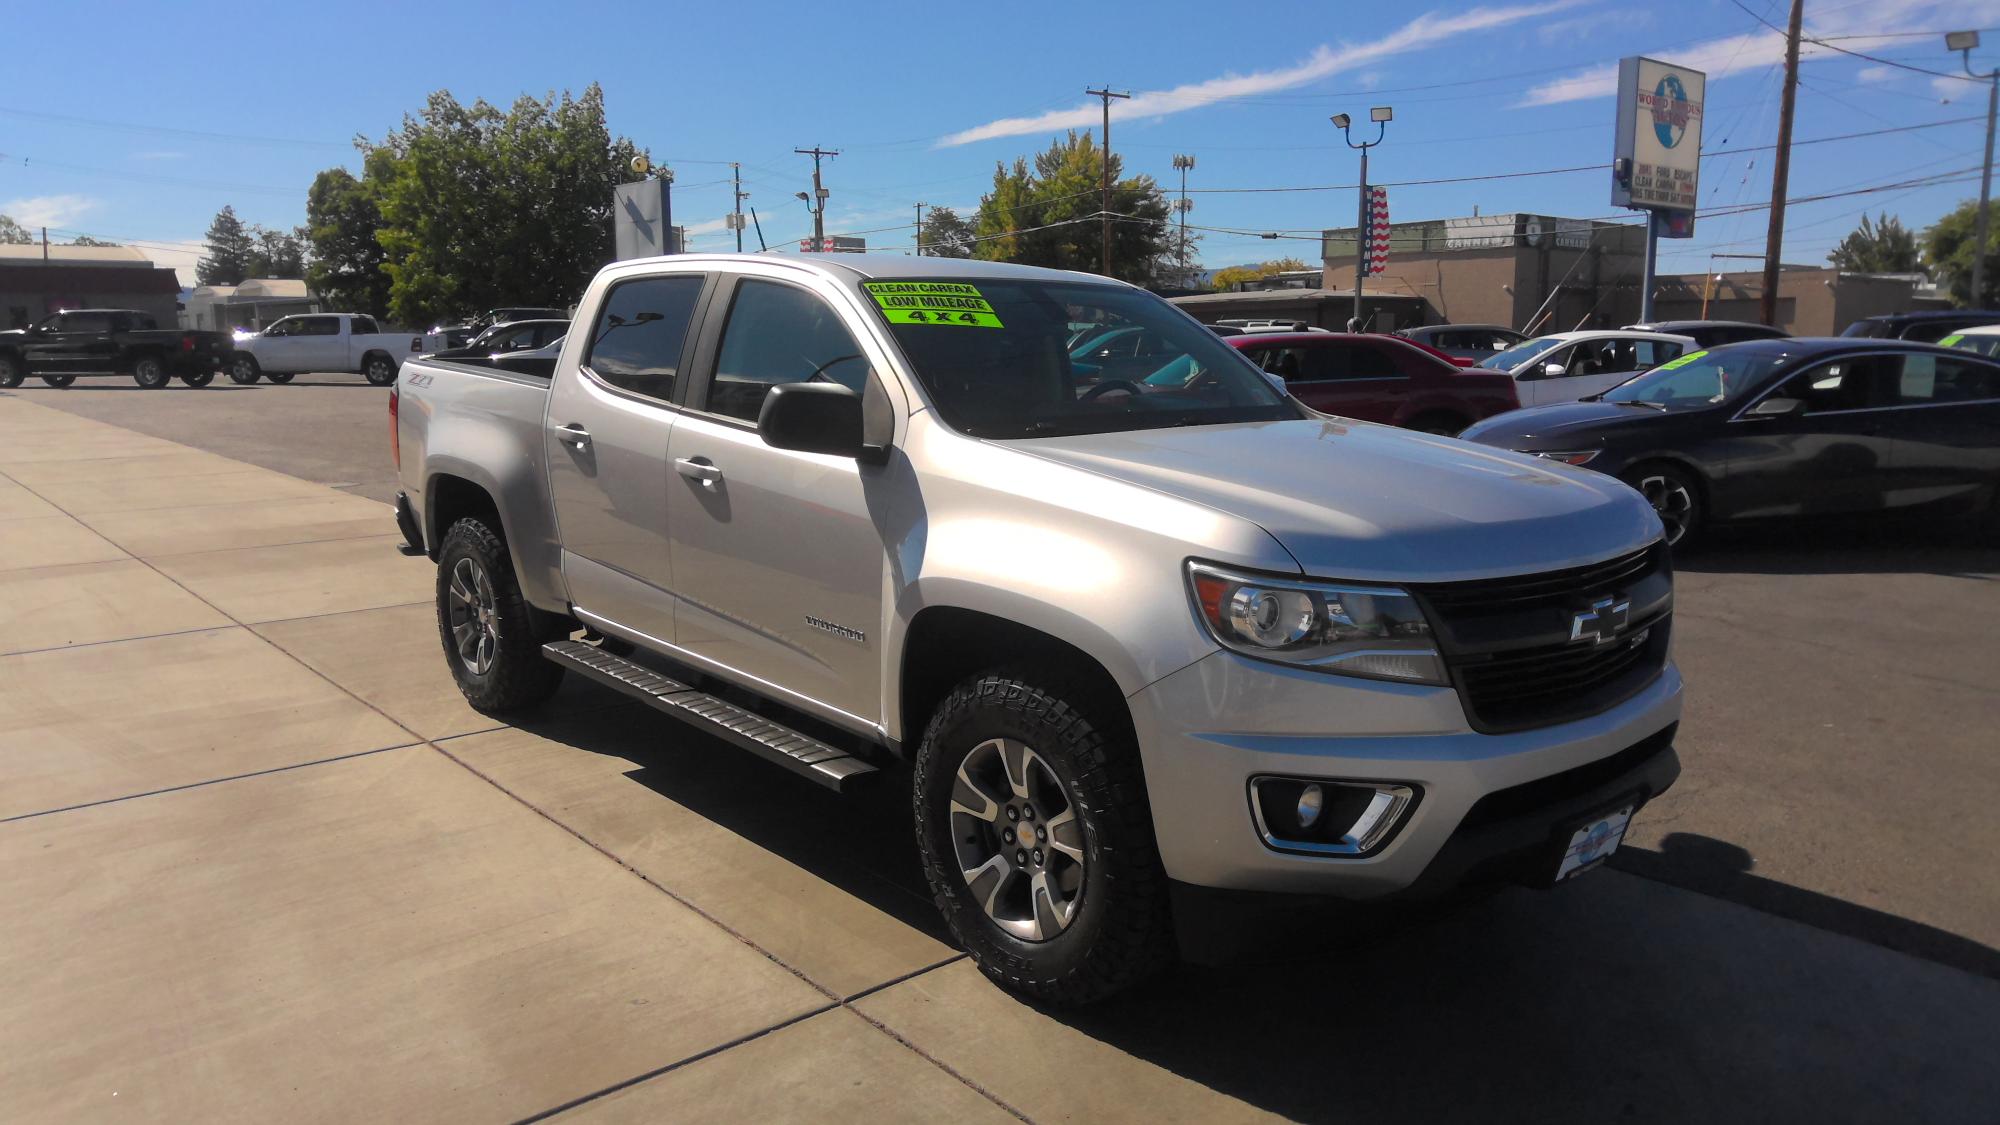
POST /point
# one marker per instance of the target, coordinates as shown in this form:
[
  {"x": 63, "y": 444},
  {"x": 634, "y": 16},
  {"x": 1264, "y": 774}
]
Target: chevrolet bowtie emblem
[{"x": 1602, "y": 622}]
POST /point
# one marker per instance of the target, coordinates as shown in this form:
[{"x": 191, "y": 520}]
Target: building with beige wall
[{"x": 1812, "y": 300}]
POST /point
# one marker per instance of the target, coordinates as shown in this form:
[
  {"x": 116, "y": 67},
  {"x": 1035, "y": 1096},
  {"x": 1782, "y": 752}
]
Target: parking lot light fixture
[
  {"x": 1381, "y": 116},
  {"x": 1964, "y": 42}
]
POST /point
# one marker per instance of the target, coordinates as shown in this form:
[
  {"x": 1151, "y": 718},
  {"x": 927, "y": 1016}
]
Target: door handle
[
  {"x": 699, "y": 469},
  {"x": 574, "y": 434}
]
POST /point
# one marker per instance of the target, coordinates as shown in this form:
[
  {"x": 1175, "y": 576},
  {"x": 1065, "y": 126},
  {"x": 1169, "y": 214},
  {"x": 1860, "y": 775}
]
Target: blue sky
[{"x": 136, "y": 122}]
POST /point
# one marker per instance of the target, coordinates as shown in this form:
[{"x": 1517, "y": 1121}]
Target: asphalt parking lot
[{"x": 598, "y": 913}]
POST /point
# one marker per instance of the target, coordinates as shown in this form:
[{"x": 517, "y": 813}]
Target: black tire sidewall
[
  {"x": 254, "y": 371},
  {"x": 12, "y": 371},
  {"x": 520, "y": 676},
  {"x": 369, "y": 375},
  {"x": 280, "y": 377},
  {"x": 198, "y": 378},
  {"x": 58, "y": 381},
  {"x": 1697, "y": 513},
  {"x": 164, "y": 376}
]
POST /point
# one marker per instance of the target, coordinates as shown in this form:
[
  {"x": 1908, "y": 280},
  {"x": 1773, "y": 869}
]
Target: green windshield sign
[
  {"x": 947, "y": 303},
  {"x": 1682, "y": 361},
  {"x": 1951, "y": 341}
]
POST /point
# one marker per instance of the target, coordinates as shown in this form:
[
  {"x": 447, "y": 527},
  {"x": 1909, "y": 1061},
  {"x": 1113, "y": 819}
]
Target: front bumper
[{"x": 1206, "y": 730}]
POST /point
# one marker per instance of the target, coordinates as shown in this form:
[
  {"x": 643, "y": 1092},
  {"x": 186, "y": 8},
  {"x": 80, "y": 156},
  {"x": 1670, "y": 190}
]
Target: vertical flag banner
[{"x": 1378, "y": 230}]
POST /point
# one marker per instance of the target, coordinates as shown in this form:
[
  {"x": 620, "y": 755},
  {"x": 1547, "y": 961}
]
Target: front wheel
[
  {"x": 1675, "y": 498},
  {"x": 379, "y": 370},
  {"x": 12, "y": 371},
  {"x": 488, "y": 629},
  {"x": 1037, "y": 839},
  {"x": 198, "y": 378},
  {"x": 1442, "y": 425},
  {"x": 242, "y": 369},
  {"x": 281, "y": 376},
  {"x": 150, "y": 372},
  {"x": 58, "y": 380}
]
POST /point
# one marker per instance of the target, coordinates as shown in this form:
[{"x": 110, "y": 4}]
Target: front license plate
[{"x": 1589, "y": 845}]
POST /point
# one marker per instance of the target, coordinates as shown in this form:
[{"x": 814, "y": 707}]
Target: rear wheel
[
  {"x": 12, "y": 371},
  {"x": 58, "y": 380},
  {"x": 280, "y": 376},
  {"x": 379, "y": 370},
  {"x": 150, "y": 372},
  {"x": 490, "y": 632},
  {"x": 1676, "y": 499},
  {"x": 1037, "y": 838},
  {"x": 243, "y": 369}
]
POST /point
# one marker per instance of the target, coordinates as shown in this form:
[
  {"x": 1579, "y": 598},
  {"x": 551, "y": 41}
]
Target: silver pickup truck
[{"x": 1152, "y": 645}]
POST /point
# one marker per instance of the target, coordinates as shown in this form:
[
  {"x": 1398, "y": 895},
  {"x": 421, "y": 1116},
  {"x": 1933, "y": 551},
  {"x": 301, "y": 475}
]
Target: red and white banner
[{"x": 1378, "y": 231}]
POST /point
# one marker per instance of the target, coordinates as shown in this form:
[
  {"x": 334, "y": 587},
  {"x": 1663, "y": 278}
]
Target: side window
[
  {"x": 776, "y": 334},
  {"x": 1854, "y": 383},
  {"x": 86, "y": 322},
  {"x": 1285, "y": 363},
  {"x": 365, "y": 326},
  {"x": 284, "y": 327},
  {"x": 1930, "y": 332},
  {"x": 1926, "y": 379},
  {"x": 1373, "y": 361},
  {"x": 319, "y": 326},
  {"x": 1652, "y": 353},
  {"x": 637, "y": 339}
]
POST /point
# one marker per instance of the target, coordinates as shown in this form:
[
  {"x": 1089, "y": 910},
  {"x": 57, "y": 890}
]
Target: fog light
[{"x": 1310, "y": 803}]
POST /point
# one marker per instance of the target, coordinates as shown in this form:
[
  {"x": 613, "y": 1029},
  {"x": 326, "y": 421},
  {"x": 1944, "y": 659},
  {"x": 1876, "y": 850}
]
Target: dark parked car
[
  {"x": 1379, "y": 379},
  {"x": 491, "y": 317},
  {"x": 1465, "y": 341},
  {"x": 519, "y": 336},
  {"x": 1714, "y": 333},
  {"x": 1927, "y": 327},
  {"x": 1784, "y": 428},
  {"x": 110, "y": 342}
]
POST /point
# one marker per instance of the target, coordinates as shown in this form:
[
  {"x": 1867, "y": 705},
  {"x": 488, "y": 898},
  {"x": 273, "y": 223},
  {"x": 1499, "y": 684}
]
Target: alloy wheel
[
  {"x": 1672, "y": 501},
  {"x": 474, "y": 617},
  {"x": 1019, "y": 843}
]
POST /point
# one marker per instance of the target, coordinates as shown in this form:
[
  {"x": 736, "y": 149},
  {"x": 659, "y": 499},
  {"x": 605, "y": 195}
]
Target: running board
[{"x": 802, "y": 754}]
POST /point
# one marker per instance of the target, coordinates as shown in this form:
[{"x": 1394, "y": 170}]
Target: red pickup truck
[{"x": 1380, "y": 379}]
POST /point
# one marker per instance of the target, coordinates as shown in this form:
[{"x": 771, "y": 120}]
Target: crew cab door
[
  {"x": 75, "y": 341},
  {"x": 283, "y": 345},
  {"x": 606, "y": 437},
  {"x": 777, "y": 556}
]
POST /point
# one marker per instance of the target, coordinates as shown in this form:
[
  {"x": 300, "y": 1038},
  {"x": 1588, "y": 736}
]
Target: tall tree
[
  {"x": 342, "y": 220},
  {"x": 482, "y": 207},
  {"x": 1048, "y": 217},
  {"x": 86, "y": 240},
  {"x": 1227, "y": 279},
  {"x": 1948, "y": 244},
  {"x": 230, "y": 244},
  {"x": 277, "y": 253},
  {"x": 946, "y": 235},
  {"x": 12, "y": 232},
  {"x": 1883, "y": 245}
]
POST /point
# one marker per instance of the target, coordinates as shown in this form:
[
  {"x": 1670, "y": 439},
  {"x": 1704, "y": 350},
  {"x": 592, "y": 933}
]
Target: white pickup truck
[{"x": 348, "y": 342}]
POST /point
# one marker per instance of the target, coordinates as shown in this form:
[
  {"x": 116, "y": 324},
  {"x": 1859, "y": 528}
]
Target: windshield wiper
[{"x": 1659, "y": 406}]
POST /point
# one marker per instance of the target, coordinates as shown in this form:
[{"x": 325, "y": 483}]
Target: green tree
[
  {"x": 86, "y": 240},
  {"x": 481, "y": 207},
  {"x": 1883, "y": 245},
  {"x": 277, "y": 253},
  {"x": 342, "y": 220},
  {"x": 1049, "y": 217},
  {"x": 1948, "y": 245},
  {"x": 945, "y": 235},
  {"x": 12, "y": 232},
  {"x": 230, "y": 245},
  {"x": 1227, "y": 279}
]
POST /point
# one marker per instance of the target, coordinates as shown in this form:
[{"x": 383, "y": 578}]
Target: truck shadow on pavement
[{"x": 1614, "y": 997}]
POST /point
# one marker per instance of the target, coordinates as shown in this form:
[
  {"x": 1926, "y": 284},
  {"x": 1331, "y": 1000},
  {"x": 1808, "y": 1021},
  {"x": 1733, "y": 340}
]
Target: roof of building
[{"x": 31, "y": 254}]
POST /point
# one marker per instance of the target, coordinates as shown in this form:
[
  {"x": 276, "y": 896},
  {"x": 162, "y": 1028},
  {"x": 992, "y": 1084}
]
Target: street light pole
[
  {"x": 1963, "y": 42},
  {"x": 1184, "y": 164},
  {"x": 1381, "y": 115},
  {"x": 818, "y": 201}
]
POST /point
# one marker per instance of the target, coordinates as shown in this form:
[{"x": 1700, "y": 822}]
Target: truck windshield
[{"x": 1018, "y": 358}]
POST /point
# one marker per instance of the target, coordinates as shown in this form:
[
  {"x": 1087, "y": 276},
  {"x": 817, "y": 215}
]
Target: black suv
[
  {"x": 1714, "y": 333},
  {"x": 1926, "y": 327}
]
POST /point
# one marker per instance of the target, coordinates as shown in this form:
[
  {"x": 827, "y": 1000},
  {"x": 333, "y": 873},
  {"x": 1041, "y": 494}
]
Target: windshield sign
[{"x": 1020, "y": 358}]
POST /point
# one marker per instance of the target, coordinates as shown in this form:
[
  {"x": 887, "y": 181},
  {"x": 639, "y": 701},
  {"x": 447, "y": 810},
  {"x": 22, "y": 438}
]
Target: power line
[{"x": 1856, "y": 54}]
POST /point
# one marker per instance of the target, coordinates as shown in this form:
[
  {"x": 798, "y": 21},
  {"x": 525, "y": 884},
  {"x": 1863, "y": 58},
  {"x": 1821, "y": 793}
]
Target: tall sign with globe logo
[{"x": 1656, "y": 164}]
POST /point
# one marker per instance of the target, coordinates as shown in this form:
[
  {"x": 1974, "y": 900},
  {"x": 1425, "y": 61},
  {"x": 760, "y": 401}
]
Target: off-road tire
[
  {"x": 1122, "y": 929},
  {"x": 1654, "y": 479},
  {"x": 519, "y": 677},
  {"x": 281, "y": 377},
  {"x": 150, "y": 372},
  {"x": 378, "y": 369},
  {"x": 198, "y": 378},
  {"x": 12, "y": 371},
  {"x": 58, "y": 380},
  {"x": 243, "y": 369}
]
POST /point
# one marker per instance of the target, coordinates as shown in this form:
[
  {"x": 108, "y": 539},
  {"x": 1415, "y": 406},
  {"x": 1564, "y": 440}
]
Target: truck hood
[{"x": 1361, "y": 501}]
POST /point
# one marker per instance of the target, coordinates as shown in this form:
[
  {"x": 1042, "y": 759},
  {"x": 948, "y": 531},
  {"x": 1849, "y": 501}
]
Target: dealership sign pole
[{"x": 1656, "y": 161}]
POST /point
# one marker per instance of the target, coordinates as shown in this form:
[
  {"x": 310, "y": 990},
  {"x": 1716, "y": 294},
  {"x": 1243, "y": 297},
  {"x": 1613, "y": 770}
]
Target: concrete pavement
[{"x": 259, "y": 860}]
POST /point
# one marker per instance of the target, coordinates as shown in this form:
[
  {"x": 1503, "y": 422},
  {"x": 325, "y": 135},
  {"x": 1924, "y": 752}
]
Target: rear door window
[
  {"x": 1849, "y": 383},
  {"x": 1926, "y": 379},
  {"x": 778, "y": 333},
  {"x": 316, "y": 326},
  {"x": 640, "y": 333}
]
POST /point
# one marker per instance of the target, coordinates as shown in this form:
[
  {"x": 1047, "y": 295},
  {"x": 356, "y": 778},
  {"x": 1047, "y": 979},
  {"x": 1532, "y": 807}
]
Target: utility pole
[
  {"x": 1781, "y": 168},
  {"x": 1107, "y": 95},
  {"x": 45, "y": 246},
  {"x": 1381, "y": 115},
  {"x": 1184, "y": 164},
  {"x": 736, "y": 217},
  {"x": 819, "y": 195},
  {"x": 1963, "y": 42},
  {"x": 920, "y": 230}
]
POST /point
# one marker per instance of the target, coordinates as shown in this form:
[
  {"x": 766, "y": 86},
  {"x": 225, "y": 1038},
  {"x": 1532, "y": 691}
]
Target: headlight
[
  {"x": 1354, "y": 630},
  {"x": 1567, "y": 457}
]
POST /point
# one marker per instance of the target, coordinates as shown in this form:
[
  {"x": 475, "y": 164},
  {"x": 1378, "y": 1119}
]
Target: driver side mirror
[
  {"x": 813, "y": 418},
  {"x": 1553, "y": 370},
  {"x": 1777, "y": 406}
]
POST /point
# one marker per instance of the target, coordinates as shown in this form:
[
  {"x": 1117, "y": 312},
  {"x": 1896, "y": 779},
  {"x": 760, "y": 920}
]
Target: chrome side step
[{"x": 802, "y": 754}]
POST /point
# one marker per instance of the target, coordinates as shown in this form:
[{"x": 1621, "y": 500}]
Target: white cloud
[
  {"x": 1876, "y": 74},
  {"x": 1758, "y": 49},
  {"x": 1426, "y": 31},
  {"x": 47, "y": 210}
]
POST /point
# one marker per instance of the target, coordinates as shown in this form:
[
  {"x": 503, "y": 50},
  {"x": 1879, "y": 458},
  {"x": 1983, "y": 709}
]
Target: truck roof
[{"x": 889, "y": 267}]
